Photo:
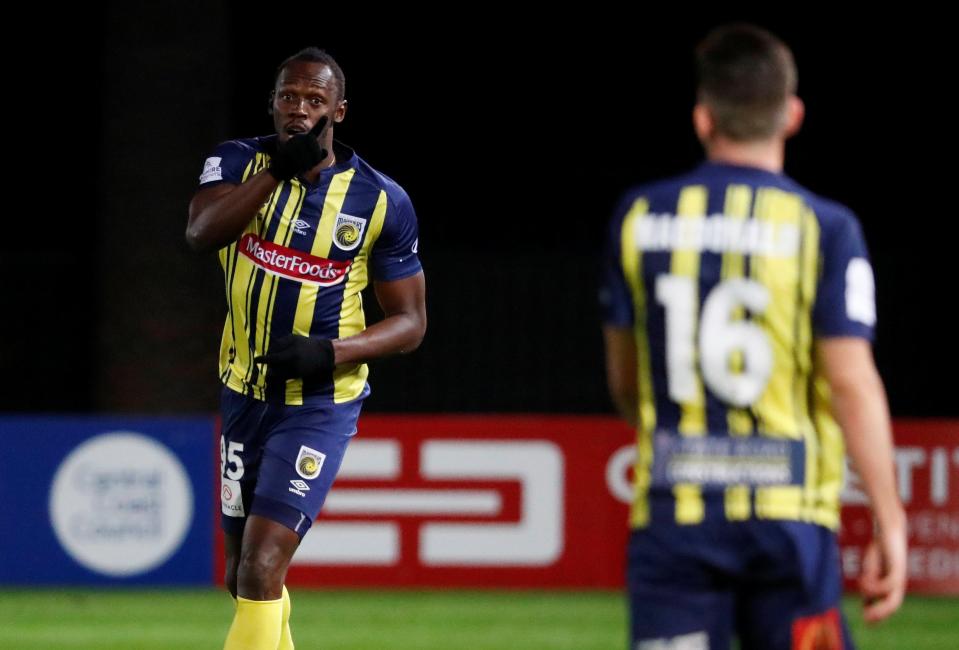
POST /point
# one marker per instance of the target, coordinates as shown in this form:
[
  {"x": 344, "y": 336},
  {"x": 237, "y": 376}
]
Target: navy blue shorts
[
  {"x": 773, "y": 585},
  {"x": 279, "y": 461}
]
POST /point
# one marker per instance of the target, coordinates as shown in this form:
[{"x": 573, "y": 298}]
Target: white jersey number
[{"x": 720, "y": 335}]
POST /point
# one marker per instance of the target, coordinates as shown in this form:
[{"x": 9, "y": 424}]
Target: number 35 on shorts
[
  {"x": 231, "y": 465},
  {"x": 231, "y": 471}
]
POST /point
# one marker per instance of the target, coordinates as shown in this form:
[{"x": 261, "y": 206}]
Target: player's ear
[
  {"x": 340, "y": 113},
  {"x": 269, "y": 105},
  {"x": 703, "y": 122},
  {"x": 795, "y": 113}
]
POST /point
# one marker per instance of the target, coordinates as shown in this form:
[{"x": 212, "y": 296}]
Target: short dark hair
[
  {"x": 316, "y": 55},
  {"x": 745, "y": 74}
]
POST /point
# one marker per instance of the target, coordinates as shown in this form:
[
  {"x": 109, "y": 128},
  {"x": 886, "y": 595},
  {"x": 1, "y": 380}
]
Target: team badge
[
  {"x": 348, "y": 231},
  {"x": 309, "y": 462}
]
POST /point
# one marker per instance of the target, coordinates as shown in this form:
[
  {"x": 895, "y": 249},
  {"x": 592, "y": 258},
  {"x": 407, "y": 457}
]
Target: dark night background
[{"x": 514, "y": 138}]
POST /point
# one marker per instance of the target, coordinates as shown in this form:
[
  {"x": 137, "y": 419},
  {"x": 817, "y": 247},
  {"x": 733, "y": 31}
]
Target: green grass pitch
[{"x": 399, "y": 620}]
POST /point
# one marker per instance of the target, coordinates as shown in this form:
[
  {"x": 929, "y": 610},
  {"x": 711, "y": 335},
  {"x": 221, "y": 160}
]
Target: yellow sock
[
  {"x": 256, "y": 625},
  {"x": 286, "y": 639}
]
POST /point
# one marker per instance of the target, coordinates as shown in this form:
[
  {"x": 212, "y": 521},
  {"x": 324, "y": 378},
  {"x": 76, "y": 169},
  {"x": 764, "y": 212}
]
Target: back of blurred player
[{"x": 739, "y": 309}]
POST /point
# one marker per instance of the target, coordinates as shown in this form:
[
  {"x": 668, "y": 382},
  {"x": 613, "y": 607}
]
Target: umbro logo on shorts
[{"x": 299, "y": 487}]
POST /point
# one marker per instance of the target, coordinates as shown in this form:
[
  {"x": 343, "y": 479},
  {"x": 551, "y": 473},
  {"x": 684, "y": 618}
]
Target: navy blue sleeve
[
  {"x": 226, "y": 164},
  {"x": 846, "y": 294},
  {"x": 394, "y": 253},
  {"x": 615, "y": 297}
]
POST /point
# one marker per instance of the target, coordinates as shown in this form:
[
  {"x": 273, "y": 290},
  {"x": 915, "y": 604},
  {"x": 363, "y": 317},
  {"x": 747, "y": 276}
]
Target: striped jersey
[
  {"x": 301, "y": 263},
  {"x": 727, "y": 275}
]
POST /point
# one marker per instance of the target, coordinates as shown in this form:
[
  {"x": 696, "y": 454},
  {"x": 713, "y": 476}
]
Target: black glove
[
  {"x": 299, "y": 154},
  {"x": 298, "y": 357}
]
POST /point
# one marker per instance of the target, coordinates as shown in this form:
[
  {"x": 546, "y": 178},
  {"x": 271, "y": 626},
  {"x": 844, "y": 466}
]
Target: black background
[{"x": 514, "y": 136}]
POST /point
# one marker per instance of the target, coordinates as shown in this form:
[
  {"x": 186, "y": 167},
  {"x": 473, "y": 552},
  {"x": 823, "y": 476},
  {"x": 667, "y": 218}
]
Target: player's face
[{"x": 305, "y": 91}]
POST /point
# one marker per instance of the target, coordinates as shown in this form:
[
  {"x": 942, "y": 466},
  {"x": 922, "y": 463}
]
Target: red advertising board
[
  {"x": 472, "y": 501},
  {"x": 927, "y": 468},
  {"x": 542, "y": 502}
]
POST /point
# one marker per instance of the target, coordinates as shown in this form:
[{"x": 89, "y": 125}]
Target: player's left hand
[
  {"x": 883, "y": 578},
  {"x": 298, "y": 357}
]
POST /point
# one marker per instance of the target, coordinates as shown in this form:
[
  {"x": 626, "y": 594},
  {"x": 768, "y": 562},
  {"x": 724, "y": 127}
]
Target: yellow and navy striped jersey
[
  {"x": 301, "y": 263},
  {"x": 727, "y": 275}
]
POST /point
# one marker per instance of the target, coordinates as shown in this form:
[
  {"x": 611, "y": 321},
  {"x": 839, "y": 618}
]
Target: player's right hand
[
  {"x": 299, "y": 154},
  {"x": 883, "y": 579}
]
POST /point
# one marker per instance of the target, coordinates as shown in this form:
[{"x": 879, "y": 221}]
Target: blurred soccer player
[
  {"x": 300, "y": 222},
  {"x": 739, "y": 311}
]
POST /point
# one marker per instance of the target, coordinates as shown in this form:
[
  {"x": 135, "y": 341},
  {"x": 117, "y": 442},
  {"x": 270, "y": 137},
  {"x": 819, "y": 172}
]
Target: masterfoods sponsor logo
[{"x": 296, "y": 265}]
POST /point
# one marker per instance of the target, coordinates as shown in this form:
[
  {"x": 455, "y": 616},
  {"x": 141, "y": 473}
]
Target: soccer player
[
  {"x": 739, "y": 311},
  {"x": 301, "y": 224}
]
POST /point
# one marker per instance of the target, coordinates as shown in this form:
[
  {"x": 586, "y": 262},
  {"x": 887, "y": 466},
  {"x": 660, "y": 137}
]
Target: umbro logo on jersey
[
  {"x": 299, "y": 487},
  {"x": 300, "y": 227}
]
